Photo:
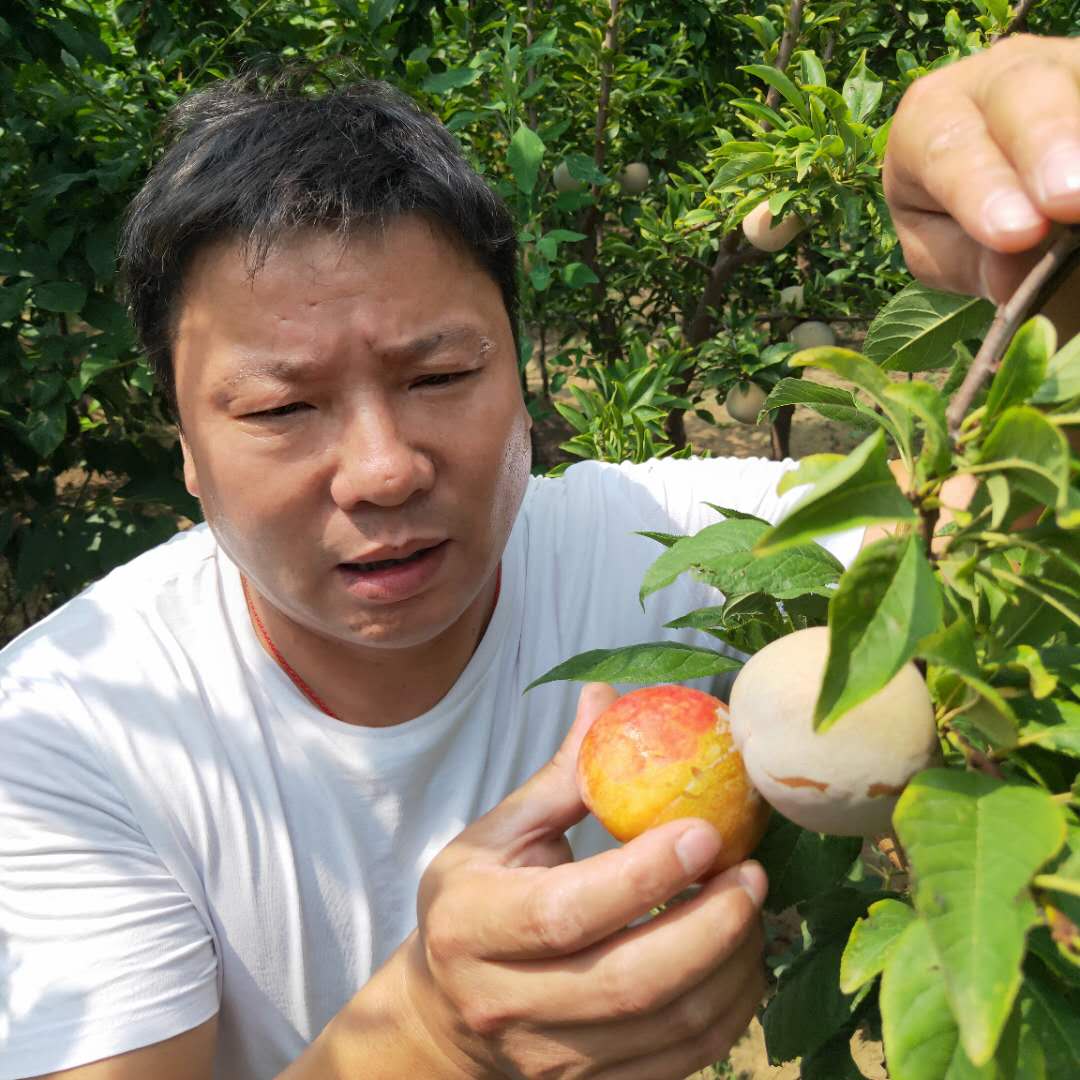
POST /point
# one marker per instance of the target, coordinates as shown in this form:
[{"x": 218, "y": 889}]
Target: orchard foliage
[
  {"x": 962, "y": 946},
  {"x": 658, "y": 282}
]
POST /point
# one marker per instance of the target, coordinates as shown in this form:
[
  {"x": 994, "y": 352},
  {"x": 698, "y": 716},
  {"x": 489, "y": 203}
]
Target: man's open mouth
[{"x": 386, "y": 564}]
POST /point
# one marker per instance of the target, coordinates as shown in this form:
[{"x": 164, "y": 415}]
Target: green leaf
[
  {"x": 927, "y": 404},
  {"x": 577, "y": 275},
  {"x": 860, "y": 490},
  {"x": 540, "y": 276},
  {"x": 724, "y": 554},
  {"x": 791, "y": 1028},
  {"x": 379, "y": 12},
  {"x": 1055, "y": 1021},
  {"x": 783, "y": 85},
  {"x": 832, "y": 402},
  {"x": 801, "y": 864},
  {"x": 657, "y": 662},
  {"x": 13, "y": 300},
  {"x": 917, "y": 329},
  {"x": 832, "y": 1060},
  {"x": 444, "y": 81},
  {"x": 867, "y": 377},
  {"x": 91, "y": 367},
  {"x": 667, "y": 539},
  {"x": 953, "y": 650},
  {"x": 46, "y": 428},
  {"x": 582, "y": 167},
  {"x": 862, "y": 91},
  {"x": 1062, "y": 381},
  {"x": 525, "y": 155},
  {"x": 887, "y": 601},
  {"x": 922, "y": 1041},
  {"x": 1053, "y": 725},
  {"x": 871, "y": 943},
  {"x": 1034, "y": 454},
  {"x": 1023, "y": 367},
  {"x": 972, "y": 868},
  {"x": 809, "y": 471},
  {"x": 60, "y": 296},
  {"x": 813, "y": 71}
]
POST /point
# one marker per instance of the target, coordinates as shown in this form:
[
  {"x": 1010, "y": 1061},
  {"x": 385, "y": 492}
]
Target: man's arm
[{"x": 187, "y": 1056}]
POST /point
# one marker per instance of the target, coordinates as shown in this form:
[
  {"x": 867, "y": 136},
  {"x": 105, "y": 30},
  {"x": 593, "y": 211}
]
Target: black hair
[{"x": 255, "y": 158}]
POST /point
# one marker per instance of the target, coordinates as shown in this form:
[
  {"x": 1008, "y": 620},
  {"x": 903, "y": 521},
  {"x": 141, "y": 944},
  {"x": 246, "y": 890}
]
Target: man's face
[{"x": 352, "y": 404}]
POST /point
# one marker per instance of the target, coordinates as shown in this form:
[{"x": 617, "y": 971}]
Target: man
[{"x": 275, "y": 804}]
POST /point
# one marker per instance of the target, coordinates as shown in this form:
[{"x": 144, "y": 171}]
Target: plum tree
[
  {"x": 758, "y": 227},
  {"x": 666, "y": 752},
  {"x": 847, "y": 779},
  {"x": 744, "y": 402}
]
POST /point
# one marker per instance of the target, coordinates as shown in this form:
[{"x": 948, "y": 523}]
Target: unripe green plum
[
  {"x": 758, "y": 227},
  {"x": 846, "y": 780},
  {"x": 665, "y": 752},
  {"x": 634, "y": 179},
  {"x": 744, "y": 402},
  {"x": 564, "y": 182},
  {"x": 812, "y": 335}
]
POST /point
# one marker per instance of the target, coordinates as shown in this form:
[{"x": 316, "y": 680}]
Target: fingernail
[
  {"x": 697, "y": 848},
  {"x": 1060, "y": 173},
  {"x": 753, "y": 880},
  {"x": 1011, "y": 211}
]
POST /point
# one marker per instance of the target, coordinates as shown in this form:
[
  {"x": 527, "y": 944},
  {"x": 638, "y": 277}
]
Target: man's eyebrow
[
  {"x": 278, "y": 368},
  {"x": 285, "y": 369},
  {"x": 444, "y": 336}
]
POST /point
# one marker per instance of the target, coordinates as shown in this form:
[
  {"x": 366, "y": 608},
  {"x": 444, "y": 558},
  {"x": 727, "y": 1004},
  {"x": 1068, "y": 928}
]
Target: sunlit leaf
[
  {"x": 872, "y": 940},
  {"x": 657, "y": 662},
  {"x": 888, "y": 600},
  {"x": 525, "y": 155},
  {"x": 918, "y": 328},
  {"x": 971, "y": 869},
  {"x": 860, "y": 490},
  {"x": 1023, "y": 367}
]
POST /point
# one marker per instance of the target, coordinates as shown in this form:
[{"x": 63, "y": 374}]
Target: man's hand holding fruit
[{"x": 525, "y": 963}]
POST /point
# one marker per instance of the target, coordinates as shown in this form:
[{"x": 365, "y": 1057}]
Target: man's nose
[{"x": 378, "y": 462}]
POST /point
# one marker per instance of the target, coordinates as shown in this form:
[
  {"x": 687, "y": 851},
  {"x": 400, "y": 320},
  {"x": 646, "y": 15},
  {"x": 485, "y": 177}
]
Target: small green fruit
[
  {"x": 634, "y": 179},
  {"x": 744, "y": 402},
  {"x": 564, "y": 182}
]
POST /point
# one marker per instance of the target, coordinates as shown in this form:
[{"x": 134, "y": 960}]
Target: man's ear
[{"x": 191, "y": 477}]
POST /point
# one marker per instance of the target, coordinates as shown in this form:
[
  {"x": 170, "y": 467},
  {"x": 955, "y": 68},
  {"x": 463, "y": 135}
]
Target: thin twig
[
  {"x": 787, "y": 47},
  {"x": 1029, "y": 297},
  {"x": 227, "y": 40}
]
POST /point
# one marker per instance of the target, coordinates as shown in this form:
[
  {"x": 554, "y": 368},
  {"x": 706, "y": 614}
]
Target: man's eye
[
  {"x": 444, "y": 378},
  {"x": 280, "y": 410}
]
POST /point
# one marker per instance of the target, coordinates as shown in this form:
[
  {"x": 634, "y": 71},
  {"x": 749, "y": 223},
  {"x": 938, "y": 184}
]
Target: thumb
[{"x": 549, "y": 801}]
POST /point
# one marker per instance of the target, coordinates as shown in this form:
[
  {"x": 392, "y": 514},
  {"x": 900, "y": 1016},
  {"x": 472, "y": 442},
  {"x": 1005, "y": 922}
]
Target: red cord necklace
[{"x": 289, "y": 670}]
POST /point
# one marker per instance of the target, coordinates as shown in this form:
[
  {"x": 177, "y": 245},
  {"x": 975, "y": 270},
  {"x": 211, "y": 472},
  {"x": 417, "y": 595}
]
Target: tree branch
[
  {"x": 1028, "y": 298},
  {"x": 787, "y": 47},
  {"x": 591, "y": 225}
]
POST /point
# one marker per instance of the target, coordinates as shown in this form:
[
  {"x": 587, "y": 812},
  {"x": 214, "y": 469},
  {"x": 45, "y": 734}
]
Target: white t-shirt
[{"x": 182, "y": 833}]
